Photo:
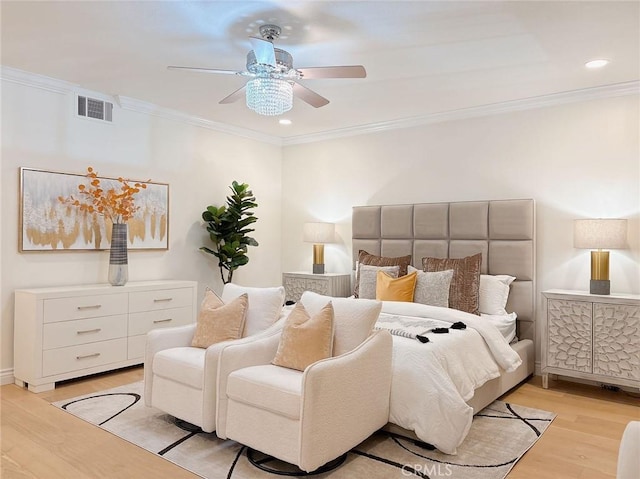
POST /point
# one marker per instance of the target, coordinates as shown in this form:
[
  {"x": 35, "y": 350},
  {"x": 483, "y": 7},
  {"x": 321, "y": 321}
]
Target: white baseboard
[{"x": 6, "y": 377}]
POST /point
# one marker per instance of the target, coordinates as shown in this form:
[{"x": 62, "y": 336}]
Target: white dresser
[
  {"x": 328, "y": 284},
  {"x": 67, "y": 332},
  {"x": 591, "y": 337}
]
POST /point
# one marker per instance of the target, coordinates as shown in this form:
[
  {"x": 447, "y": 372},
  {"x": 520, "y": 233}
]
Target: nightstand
[
  {"x": 328, "y": 284},
  {"x": 590, "y": 336}
]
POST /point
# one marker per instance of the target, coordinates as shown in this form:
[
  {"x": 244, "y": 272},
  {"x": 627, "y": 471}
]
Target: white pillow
[
  {"x": 265, "y": 305},
  {"x": 432, "y": 287},
  {"x": 367, "y": 278},
  {"x": 506, "y": 324},
  {"x": 494, "y": 292},
  {"x": 353, "y": 318}
]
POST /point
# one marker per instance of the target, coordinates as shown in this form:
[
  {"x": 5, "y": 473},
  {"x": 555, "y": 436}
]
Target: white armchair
[
  {"x": 181, "y": 380},
  {"x": 629, "y": 452},
  {"x": 308, "y": 418}
]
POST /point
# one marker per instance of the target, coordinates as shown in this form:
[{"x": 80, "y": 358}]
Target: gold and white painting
[{"x": 47, "y": 224}]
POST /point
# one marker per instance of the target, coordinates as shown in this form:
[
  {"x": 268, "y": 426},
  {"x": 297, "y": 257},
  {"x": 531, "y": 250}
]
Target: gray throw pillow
[
  {"x": 432, "y": 288},
  {"x": 367, "y": 284}
]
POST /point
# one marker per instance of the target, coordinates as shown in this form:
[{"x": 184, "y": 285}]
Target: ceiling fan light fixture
[{"x": 269, "y": 96}]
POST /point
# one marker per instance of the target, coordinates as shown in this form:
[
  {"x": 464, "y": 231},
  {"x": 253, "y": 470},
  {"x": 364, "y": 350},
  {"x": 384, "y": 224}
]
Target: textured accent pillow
[
  {"x": 494, "y": 293},
  {"x": 373, "y": 260},
  {"x": 369, "y": 277},
  {"x": 353, "y": 318},
  {"x": 464, "y": 291},
  {"x": 389, "y": 288},
  {"x": 432, "y": 287},
  {"x": 219, "y": 322},
  {"x": 265, "y": 305},
  {"x": 305, "y": 339}
]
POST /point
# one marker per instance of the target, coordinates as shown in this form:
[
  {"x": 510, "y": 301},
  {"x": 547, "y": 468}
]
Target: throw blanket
[{"x": 432, "y": 381}]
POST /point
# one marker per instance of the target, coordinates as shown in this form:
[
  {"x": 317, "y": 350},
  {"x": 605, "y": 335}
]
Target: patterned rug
[{"x": 499, "y": 436}]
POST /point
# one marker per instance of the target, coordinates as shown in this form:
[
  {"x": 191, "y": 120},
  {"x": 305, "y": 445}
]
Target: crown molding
[
  {"x": 606, "y": 91},
  {"x": 36, "y": 81},
  {"x": 140, "y": 106},
  {"x": 63, "y": 87}
]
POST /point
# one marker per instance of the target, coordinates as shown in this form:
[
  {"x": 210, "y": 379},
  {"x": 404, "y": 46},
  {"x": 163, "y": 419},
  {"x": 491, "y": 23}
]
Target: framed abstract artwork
[{"x": 47, "y": 224}]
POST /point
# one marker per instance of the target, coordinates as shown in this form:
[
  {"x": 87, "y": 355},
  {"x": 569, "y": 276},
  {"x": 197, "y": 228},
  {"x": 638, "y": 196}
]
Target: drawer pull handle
[
  {"x": 93, "y": 306},
  {"x": 86, "y": 331},
  {"x": 156, "y": 321},
  {"x": 162, "y": 300},
  {"x": 87, "y": 356}
]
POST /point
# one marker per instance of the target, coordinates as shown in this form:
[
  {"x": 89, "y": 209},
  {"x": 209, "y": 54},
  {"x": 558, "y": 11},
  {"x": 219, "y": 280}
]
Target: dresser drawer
[
  {"x": 142, "y": 323},
  {"x": 160, "y": 299},
  {"x": 81, "y": 331},
  {"x": 136, "y": 347},
  {"x": 79, "y": 307},
  {"x": 84, "y": 356}
]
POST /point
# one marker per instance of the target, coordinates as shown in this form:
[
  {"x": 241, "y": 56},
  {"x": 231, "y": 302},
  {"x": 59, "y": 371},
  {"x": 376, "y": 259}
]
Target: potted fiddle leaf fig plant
[{"x": 228, "y": 227}]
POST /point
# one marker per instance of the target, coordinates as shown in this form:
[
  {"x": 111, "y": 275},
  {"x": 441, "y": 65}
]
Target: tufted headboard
[{"x": 502, "y": 230}]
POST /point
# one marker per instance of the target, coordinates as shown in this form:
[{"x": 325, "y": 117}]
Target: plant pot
[{"x": 118, "y": 263}]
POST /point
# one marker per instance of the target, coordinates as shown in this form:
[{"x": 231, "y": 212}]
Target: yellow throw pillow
[
  {"x": 305, "y": 339},
  {"x": 395, "y": 289},
  {"x": 219, "y": 322}
]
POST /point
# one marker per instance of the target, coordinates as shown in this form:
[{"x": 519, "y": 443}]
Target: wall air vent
[{"x": 95, "y": 109}]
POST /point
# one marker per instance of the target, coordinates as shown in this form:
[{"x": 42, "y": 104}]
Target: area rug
[{"x": 499, "y": 436}]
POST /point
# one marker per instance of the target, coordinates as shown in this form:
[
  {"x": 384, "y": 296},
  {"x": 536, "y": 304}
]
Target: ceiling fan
[{"x": 273, "y": 79}]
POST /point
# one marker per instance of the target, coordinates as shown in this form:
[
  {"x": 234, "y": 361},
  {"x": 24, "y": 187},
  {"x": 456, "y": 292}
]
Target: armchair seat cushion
[
  {"x": 183, "y": 365},
  {"x": 272, "y": 388}
]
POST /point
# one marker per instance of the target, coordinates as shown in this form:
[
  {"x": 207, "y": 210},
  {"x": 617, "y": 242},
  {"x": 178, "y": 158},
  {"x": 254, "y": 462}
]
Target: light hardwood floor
[{"x": 41, "y": 441}]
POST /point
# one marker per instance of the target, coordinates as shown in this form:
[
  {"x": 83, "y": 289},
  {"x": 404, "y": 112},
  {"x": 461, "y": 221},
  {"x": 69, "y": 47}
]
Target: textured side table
[
  {"x": 328, "y": 284},
  {"x": 591, "y": 336}
]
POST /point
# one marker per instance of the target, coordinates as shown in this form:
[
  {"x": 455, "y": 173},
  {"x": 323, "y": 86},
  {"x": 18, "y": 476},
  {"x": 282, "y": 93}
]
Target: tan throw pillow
[
  {"x": 395, "y": 289},
  {"x": 219, "y": 322},
  {"x": 305, "y": 339},
  {"x": 353, "y": 318},
  {"x": 464, "y": 291},
  {"x": 372, "y": 260}
]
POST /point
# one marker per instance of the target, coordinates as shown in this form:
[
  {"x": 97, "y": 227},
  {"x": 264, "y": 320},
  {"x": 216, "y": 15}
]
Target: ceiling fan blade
[
  {"x": 309, "y": 96},
  {"x": 346, "y": 71},
  {"x": 235, "y": 96},
  {"x": 263, "y": 50},
  {"x": 205, "y": 70}
]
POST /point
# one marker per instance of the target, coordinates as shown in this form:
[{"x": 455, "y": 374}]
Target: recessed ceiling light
[
  {"x": 284, "y": 121},
  {"x": 596, "y": 63}
]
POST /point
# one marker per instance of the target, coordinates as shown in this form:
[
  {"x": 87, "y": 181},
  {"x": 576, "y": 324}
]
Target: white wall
[
  {"x": 40, "y": 131},
  {"x": 576, "y": 160}
]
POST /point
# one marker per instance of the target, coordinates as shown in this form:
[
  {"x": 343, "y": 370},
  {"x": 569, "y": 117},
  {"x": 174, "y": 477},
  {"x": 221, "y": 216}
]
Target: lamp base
[
  {"x": 318, "y": 268},
  {"x": 600, "y": 286}
]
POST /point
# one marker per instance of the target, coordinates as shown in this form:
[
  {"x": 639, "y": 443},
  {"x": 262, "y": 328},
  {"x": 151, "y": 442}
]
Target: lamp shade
[
  {"x": 319, "y": 233},
  {"x": 600, "y": 233}
]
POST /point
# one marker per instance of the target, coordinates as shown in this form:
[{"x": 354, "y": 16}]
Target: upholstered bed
[{"x": 502, "y": 230}]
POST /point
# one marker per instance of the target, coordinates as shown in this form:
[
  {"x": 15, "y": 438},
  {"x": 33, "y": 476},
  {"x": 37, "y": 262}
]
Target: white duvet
[{"x": 432, "y": 381}]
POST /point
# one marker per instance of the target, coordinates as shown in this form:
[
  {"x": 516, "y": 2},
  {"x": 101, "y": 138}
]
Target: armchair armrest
[
  {"x": 246, "y": 352},
  {"x": 349, "y": 393},
  {"x": 159, "y": 340}
]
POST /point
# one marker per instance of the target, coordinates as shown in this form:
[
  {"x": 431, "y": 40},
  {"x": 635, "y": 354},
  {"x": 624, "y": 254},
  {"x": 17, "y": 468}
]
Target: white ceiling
[{"x": 422, "y": 57}]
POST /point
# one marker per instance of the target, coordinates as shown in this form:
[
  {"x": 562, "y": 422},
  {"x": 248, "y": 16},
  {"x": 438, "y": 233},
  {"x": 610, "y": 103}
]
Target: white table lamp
[
  {"x": 319, "y": 234},
  {"x": 600, "y": 234}
]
